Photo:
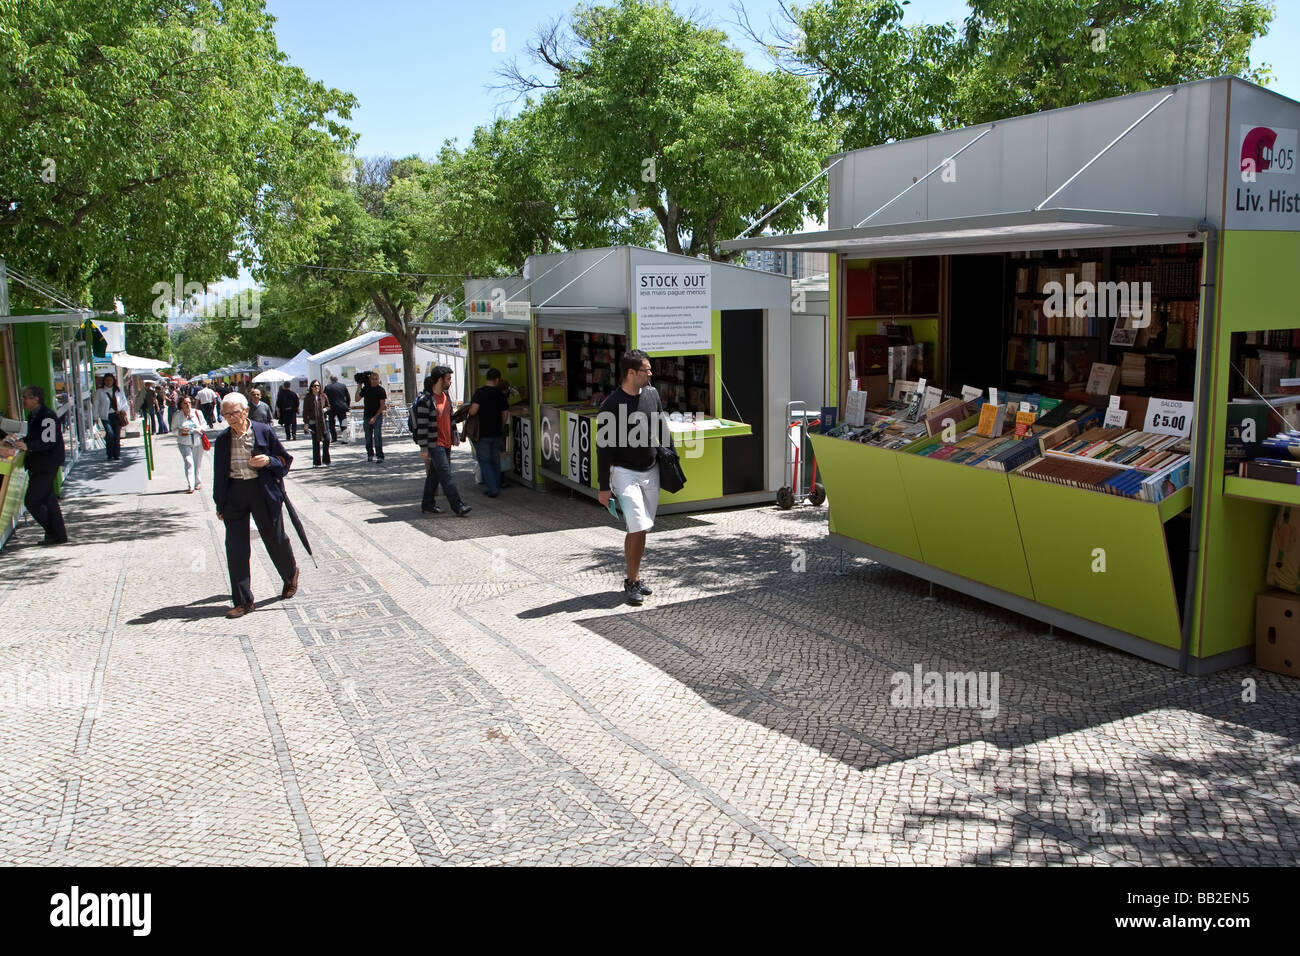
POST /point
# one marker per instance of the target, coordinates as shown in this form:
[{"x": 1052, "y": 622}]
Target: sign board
[
  {"x": 389, "y": 345},
  {"x": 550, "y": 426},
  {"x": 1263, "y": 190},
  {"x": 1168, "y": 417},
  {"x": 518, "y": 310},
  {"x": 674, "y": 308}
]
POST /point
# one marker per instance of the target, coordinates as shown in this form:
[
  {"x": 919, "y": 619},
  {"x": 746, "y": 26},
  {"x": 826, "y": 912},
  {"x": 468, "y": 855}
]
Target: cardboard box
[{"x": 1277, "y": 632}]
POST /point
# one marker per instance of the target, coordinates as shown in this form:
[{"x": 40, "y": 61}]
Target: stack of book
[
  {"x": 1122, "y": 447},
  {"x": 1137, "y": 369},
  {"x": 1283, "y": 470}
]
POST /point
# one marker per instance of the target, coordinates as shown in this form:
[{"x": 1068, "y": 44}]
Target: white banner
[{"x": 674, "y": 308}]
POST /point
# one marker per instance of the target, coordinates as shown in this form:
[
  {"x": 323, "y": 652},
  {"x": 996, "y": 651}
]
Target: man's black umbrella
[{"x": 296, "y": 522}]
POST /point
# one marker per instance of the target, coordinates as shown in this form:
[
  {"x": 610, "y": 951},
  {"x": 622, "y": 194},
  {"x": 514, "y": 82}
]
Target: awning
[
  {"x": 477, "y": 325},
  {"x": 995, "y": 232},
  {"x": 134, "y": 363},
  {"x": 272, "y": 375},
  {"x": 54, "y": 318}
]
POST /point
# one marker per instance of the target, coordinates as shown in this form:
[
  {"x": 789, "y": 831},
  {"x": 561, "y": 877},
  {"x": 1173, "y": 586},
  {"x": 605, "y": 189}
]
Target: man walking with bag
[
  {"x": 485, "y": 420},
  {"x": 628, "y": 436}
]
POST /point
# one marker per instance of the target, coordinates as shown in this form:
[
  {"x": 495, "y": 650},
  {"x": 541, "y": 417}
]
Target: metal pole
[
  {"x": 928, "y": 175},
  {"x": 1081, "y": 169},
  {"x": 772, "y": 211}
]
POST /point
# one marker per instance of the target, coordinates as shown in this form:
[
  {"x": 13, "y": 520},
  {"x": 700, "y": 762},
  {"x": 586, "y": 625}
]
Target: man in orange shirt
[{"x": 436, "y": 436}]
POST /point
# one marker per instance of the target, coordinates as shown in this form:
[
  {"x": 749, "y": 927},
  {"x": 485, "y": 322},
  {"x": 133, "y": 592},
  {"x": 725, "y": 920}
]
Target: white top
[
  {"x": 188, "y": 428},
  {"x": 102, "y": 404},
  {"x": 206, "y": 396}
]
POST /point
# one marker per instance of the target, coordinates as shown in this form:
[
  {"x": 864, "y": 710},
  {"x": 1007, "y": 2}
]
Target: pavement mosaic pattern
[{"x": 474, "y": 691}]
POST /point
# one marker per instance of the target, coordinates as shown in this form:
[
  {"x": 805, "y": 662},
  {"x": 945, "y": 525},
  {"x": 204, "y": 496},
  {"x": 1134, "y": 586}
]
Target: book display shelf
[{"x": 1038, "y": 500}]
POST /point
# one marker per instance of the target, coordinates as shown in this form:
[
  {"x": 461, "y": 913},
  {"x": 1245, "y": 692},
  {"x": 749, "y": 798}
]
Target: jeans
[
  {"x": 192, "y": 456},
  {"x": 488, "y": 453},
  {"x": 440, "y": 474},
  {"x": 375, "y": 438},
  {"x": 320, "y": 444},
  {"x": 159, "y": 422},
  {"x": 112, "y": 436},
  {"x": 208, "y": 416},
  {"x": 291, "y": 428}
]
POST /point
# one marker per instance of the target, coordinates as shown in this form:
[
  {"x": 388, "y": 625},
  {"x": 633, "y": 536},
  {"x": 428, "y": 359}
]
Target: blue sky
[{"x": 422, "y": 68}]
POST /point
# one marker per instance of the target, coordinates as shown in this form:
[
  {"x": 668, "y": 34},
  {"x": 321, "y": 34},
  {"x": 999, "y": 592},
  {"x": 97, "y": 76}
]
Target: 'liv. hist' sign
[{"x": 1265, "y": 193}]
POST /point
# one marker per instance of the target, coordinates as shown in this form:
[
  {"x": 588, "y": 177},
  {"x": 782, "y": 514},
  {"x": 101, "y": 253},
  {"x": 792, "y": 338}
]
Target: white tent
[
  {"x": 134, "y": 363},
  {"x": 382, "y": 353}
]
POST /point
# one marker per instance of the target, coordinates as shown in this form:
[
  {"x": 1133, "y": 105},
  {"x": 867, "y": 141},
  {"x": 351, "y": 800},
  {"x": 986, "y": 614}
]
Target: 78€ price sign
[{"x": 1168, "y": 417}]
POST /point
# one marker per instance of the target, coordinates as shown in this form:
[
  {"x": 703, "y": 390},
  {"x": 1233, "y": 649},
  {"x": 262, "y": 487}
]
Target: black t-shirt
[
  {"x": 491, "y": 403},
  {"x": 371, "y": 396}
]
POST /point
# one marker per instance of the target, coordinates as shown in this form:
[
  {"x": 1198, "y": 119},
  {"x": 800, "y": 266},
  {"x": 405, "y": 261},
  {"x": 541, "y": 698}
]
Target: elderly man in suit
[
  {"x": 45, "y": 455},
  {"x": 248, "y": 463}
]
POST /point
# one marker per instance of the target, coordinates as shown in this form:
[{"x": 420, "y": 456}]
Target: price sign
[
  {"x": 993, "y": 396},
  {"x": 1116, "y": 418},
  {"x": 969, "y": 393},
  {"x": 1168, "y": 417}
]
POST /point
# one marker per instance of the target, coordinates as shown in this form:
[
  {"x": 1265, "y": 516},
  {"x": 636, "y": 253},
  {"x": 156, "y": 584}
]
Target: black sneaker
[
  {"x": 642, "y": 588},
  {"x": 633, "y": 592},
  {"x": 432, "y": 510},
  {"x": 464, "y": 511}
]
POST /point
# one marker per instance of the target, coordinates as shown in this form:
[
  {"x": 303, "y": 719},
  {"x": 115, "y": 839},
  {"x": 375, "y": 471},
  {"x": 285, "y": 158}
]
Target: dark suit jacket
[
  {"x": 43, "y": 455},
  {"x": 264, "y": 443}
]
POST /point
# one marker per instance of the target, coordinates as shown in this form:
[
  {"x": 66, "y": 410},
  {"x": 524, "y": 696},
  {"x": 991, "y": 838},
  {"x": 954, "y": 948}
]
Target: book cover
[{"x": 992, "y": 419}]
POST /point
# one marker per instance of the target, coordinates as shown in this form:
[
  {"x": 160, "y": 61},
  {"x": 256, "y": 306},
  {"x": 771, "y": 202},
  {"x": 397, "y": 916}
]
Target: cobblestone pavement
[{"x": 474, "y": 691}]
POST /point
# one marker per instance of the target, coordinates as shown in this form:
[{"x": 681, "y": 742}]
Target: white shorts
[{"x": 638, "y": 496}]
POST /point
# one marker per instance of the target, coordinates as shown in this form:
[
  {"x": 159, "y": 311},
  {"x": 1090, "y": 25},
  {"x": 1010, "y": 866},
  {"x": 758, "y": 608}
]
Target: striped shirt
[{"x": 241, "y": 449}]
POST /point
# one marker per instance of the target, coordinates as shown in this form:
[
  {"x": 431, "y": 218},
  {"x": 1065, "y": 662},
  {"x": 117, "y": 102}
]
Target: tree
[
  {"x": 146, "y": 138},
  {"x": 148, "y": 338},
  {"x": 660, "y": 109},
  {"x": 887, "y": 80},
  {"x": 206, "y": 345}
]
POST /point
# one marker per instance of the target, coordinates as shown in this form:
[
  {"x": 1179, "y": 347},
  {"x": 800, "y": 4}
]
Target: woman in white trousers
[{"x": 189, "y": 425}]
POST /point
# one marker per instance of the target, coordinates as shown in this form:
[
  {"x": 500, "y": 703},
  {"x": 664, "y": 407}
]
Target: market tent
[
  {"x": 272, "y": 375},
  {"x": 134, "y": 363},
  {"x": 381, "y": 352}
]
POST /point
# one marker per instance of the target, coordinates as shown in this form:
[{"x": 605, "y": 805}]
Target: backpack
[{"x": 410, "y": 417}]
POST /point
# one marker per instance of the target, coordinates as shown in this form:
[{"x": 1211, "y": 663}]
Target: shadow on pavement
[
  {"x": 194, "y": 611},
  {"x": 813, "y": 655}
]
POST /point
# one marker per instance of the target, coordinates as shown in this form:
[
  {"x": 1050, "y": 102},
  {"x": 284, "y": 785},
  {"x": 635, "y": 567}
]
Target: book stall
[
  {"x": 1066, "y": 372},
  {"x": 696, "y": 320}
]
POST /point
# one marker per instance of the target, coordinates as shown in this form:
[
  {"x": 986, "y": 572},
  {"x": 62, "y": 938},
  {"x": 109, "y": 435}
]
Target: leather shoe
[
  {"x": 291, "y": 588},
  {"x": 240, "y": 611}
]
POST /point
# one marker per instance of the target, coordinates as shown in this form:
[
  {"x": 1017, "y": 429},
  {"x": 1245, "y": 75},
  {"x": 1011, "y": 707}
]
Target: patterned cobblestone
[{"x": 474, "y": 691}]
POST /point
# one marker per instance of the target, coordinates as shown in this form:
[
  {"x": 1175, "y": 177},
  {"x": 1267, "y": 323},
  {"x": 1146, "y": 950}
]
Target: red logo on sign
[
  {"x": 389, "y": 345},
  {"x": 1257, "y": 149}
]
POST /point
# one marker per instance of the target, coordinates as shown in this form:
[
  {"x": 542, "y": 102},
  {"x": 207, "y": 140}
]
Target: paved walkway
[{"x": 447, "y": 690}]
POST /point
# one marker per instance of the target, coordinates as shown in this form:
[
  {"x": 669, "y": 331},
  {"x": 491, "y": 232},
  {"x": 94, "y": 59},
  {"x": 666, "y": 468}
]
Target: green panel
[
  {"x": 1175, "y": 504},
  {"x": 966, "y": 522},
  {"x": 1254, "y": 293},
  {"x": 872, "y": 506},
  {"x": 1061, "y": 528},
  {"x": 703, "y": 472},
  {"x": 35, "y": 365},
  {"x": 1270, "y": 492}
]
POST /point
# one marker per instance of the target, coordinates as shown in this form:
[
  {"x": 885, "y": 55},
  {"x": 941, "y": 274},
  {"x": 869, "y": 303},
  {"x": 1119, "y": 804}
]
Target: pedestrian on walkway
[
  {"x": 258, "y": 410},
  {"x": 44, "y": 456},
  {"x": 314, "y": 417},
  {"x": 374, "y": 402},
  {"x": 110, "y": 407},
  {"x": 170, "y": 400},
  {"x": 627, "y": 442},
  {"x": 206, "y": 399},
  {"x": 189, "y": 427},
  {"x": 249, "y": 464},
  {"x": 286, "y": 403},
  {"x": 488, "y": 406},
  {"x": 339, "y": 404},
  {"x": 436, "y": 435}
]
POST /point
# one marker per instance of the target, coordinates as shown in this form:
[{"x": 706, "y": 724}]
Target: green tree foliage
[
  {"x": 144, "y": 138},
  {"x": 206, "y": 345},
  {"x": 654, "y": 106},
  {"x": 886, "y": 80},
  {"x": 148, "y": 338}
]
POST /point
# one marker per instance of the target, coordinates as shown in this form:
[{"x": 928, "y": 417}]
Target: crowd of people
[{"x": 250, "y": 462}]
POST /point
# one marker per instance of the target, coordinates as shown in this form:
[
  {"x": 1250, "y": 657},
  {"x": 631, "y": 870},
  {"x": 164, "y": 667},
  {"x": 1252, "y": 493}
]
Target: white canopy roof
[{"x": 134, "y": 363}]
